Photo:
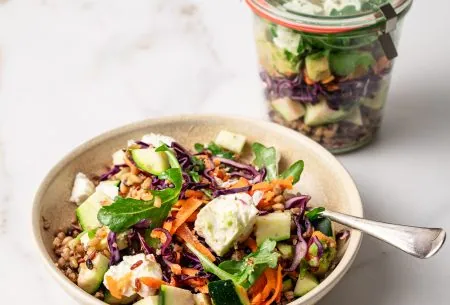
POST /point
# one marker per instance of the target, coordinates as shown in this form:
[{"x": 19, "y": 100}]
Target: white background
[{"x": 72, "y": 69}]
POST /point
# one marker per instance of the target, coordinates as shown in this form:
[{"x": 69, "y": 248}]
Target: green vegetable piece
[
  {"x": 90, "y": 279},
  {"x": 266, "y": 157},
  {"x": 230, "y": 141},
  {"x": 274, "y": 226},
  {"x": 202, "y": 299},
  {"x": 325, "y": 262},
  {"x": 345, "y": 63},
  {"x": 290, "y": 110},
  {"x": 378, "y": 101},
  {"x": 171, "y": 295},
  {"x": 324, "y": 225},
  {"x": 314, "y": 213},
  {"x": 295, "y": 171},
  {"x": 321, "y": 113},
  {"x": 199, "y": 147},
  {"x": 305, "y": 284},
  {"x": 317, "y": 66},
  {"x": 150, "y": 160},
  {"x": 227, "y": 293},
  {"x": 287, "y": 285},
  {"x": 216, "y": 150},
  {"x": 87, "y": 211},
  {"x": 286, "y": 251},
  {"x": 355, "y": 116}
]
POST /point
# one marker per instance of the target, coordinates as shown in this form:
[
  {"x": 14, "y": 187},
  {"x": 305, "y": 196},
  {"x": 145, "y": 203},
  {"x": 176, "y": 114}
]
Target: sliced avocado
[
  {"x": 90, "y": 279},
  {"x": 88, "y": 210},
  {"x": 150, "y": 161},
  {"x": 275, "y": 226},
  {"x": 151, "y": 300},
  {"x": 320, "y": 114},
  {"x": 231, "y": 141},
  {"x": 317, "y": 67},
  {"x": 123, "y": 301},
  {"x": 171, "y": 295},
  {"x": 355, "y": 116},
  {"x": 287, "y": 251},
  {"x": 325, "y": 262},
  {"x": 202, "y": 299},
  {"x": 227, "y": 293},
  {"x": 305, "y": 284},
  {"x": 287, "y": 285},
  {"x": 276, "y": 61},
  {"x": 378, "y": 101},
  {"x": 289, "y": 109}
]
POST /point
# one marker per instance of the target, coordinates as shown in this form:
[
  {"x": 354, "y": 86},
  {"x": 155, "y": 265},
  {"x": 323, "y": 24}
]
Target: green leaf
[
  {"x": 314, "y": 213},
  {"x": 348, "y": 10},
  {"x": 324, "y": 226},
  {"x": 216, "y": 150},
  {"x": 246, "y": 271},
  {"x": 91, "y": 233},
  {"x": 195, "y": 176},
  {"x": 198, "y": 164},
  {"x": 126, "y": 212},
  {"x": 295, "y": 170},
  {"x": 199, "y": 147},
  {"x": 266, "y": 157},
  {"x": 345, "y": 63}
]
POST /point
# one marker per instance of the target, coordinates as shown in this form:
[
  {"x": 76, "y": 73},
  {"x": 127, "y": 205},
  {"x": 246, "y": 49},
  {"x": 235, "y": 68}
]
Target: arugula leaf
[
  {"x": 295, "y": 170},
  {"x": 345, "y": 63},
  {"x": 199, "y": 147},
  {"x": 198, "y": 164},
  {"x": 195, "y": 176},
  {"x": 246, "y": 271},
  {"x": 314, "y": 214},
  {"x": 216, "y": 150},
  {"x": 266, "y": 157},
  {"x": 126, "y": 212}
]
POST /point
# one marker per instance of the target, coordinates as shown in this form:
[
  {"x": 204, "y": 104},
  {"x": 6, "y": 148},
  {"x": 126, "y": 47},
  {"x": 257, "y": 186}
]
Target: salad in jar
[
  {"x": 166, "y": 225},
  {"x": 328, "y": 83}
]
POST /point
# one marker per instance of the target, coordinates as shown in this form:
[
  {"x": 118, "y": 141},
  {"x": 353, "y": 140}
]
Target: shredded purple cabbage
[
  {"x": 143, "y": 224},
  {"x": 343, "y": 235},
  {"x": 296, "y": 88},
  {"x": 113, "y": 249},
  {"x": 144, "y": 245},
  {"x": 110, "y": 173},
  {"x": 309, "y": 229},
  {"x": 219, "y": 192},
  {"x": 298, "y": 202},
  {"x": 300, "y": 248},
  {"x": 165, "y": 246},
  {"x": 315, "y": 240},
  {"x": 143, "y": 144}
]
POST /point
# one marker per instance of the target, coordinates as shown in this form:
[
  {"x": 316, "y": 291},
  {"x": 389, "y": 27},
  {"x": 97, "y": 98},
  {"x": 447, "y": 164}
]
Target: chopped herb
[
  {"x": 314, "y": 213},
  {"x": 199, "y": 147}
]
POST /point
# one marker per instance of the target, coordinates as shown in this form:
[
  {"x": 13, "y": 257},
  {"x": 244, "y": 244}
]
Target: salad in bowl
[{"x": 166, "y": 225}]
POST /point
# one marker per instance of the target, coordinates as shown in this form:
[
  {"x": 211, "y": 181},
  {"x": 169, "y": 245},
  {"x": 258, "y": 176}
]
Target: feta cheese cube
[
  {"x": 82, "y": 189},
  {"x": 226, "y": 220}
]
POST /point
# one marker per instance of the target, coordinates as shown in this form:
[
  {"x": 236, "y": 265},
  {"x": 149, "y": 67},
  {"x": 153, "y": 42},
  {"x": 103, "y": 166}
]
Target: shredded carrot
[
  {"x": 193, "y": 193},
  {"x": 175, "y": 268},
  {"x": 271, "y": 282},
  {"x": 113, "y": 287},
  {"x": 152, "y": 282},
  {"x": 179, "y": 203},
  {"x": 278, "y": 285},
  {"x": 203, "y": 289},
  {"x": 184, "y": 233},
  {"x": 206, "y": 161},
  {"x": 328, "y": 79},
  {"x": 308, "y": 81},
  {"x": 196, "y": 282},
  {"x": 242, "y": 182},
  {"x": 257, "y": 299},
  {"x": 219, "y": 173},
  {"x": 193, "y": 217},
  {"x": 173, "y": 282},
  {"x": 258, "y": 286},
  {"x": 251, "y": 243},
  {"x": 261, "y": 186},
  {"x": 189, "y": 271},
  {"x": 324, "y": 238},
  {"x": 187, "y": 209},
  {"x": 284, "y": 183}
]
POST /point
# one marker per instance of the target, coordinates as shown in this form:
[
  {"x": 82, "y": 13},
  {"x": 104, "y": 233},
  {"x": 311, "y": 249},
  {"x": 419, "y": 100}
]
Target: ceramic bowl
[{"x": 324, "y": 178}]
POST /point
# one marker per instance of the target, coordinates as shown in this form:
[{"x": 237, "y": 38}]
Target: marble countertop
[{"x": 70, "y": 70}]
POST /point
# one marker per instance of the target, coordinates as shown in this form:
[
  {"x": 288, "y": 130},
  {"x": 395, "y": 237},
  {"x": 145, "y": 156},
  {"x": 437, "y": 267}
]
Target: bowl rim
[{"x": 81, "y": 296}]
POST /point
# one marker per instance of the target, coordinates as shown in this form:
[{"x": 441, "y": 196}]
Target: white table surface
[{"x": 73, "y": 69}]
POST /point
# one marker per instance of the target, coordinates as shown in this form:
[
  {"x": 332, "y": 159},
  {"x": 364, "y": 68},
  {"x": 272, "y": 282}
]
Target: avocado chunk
[
  {"x": 317, "y": 67},
  {"x": 90, "y": 279},
  {"x": 227, "y": 293},
  {"x": 202, "y": 299},
  {"x": 286, "y": 251},
  {"x": 151, "y": 300},
  {"x": 305, "y": 284},
  {"x": 276, "y": 61},
  {"x": 275, "y": 226},
  {"x": 287, "y": 285},
  {"x": 320, "y": 114},
  {"x": 288, "y": 109},
  {"x": 150, "y": 161},
  {"x": 172, "y": 296},
  {"x": 123, "y": 301},
  {"x": 355, "y": 116},
  {"x": 88, "y": 210},
  {"x": 231, "y": 141}
]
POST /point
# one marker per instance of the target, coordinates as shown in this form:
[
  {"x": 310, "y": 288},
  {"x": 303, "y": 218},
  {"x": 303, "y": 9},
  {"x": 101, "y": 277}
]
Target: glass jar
[{"x": 326, "y": 73}]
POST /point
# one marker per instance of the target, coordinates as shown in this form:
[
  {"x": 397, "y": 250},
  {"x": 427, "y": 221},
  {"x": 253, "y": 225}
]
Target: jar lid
[{"x": 329, "y": 16}]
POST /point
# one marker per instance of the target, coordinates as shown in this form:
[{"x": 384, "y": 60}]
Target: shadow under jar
[{"x": 326, "y": 65}]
